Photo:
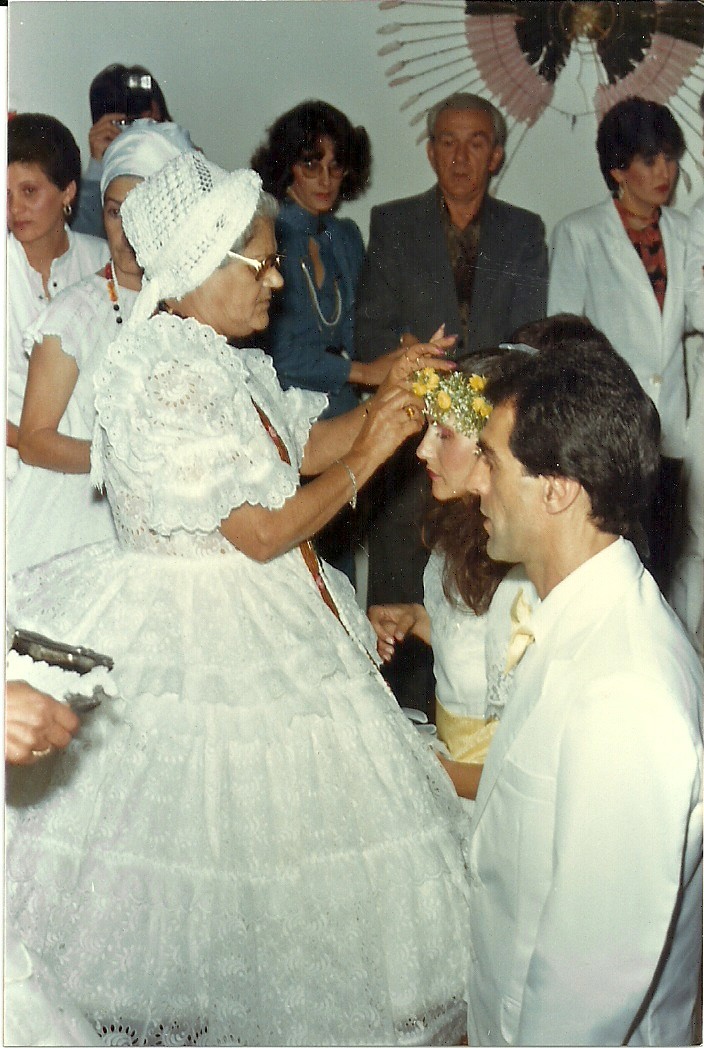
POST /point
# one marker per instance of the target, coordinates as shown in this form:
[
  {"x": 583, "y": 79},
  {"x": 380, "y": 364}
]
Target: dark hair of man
[
  {"x": 560, "y": 329},
  {"x": 636, "y": 127},
  {"x": 296, "y": 135},
  {"x": 108, "y": 93},
  {"x": 35, "y": 138},
  {"x": 580, "y": 412}
]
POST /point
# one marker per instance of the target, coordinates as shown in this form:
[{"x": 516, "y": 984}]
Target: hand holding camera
[{"x": 138, "y": 101}]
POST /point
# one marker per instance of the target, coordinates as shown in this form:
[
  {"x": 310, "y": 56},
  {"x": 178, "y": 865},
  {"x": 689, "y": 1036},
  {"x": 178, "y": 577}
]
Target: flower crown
[{"x": 453, "y": 399}]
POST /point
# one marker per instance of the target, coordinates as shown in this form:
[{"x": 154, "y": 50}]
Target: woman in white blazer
[{"x": 621, "y": 263}]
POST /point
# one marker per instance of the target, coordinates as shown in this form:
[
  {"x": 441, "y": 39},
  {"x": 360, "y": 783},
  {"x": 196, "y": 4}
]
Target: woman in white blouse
[
  {"x": 43, "y": 254},
  {"x": 459, "y": 580},
  {"x": 621, "y": 264}
]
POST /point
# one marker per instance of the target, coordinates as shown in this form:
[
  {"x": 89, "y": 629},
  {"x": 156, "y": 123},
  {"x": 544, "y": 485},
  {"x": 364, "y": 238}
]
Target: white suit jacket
[
  {"x": 694, "y": 271},
  {"x": 595, "y": 270},
  {"x": 585, "y": 860}
]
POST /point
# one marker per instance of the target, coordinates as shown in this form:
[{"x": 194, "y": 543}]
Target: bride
[{"x": 250, "y": 845}]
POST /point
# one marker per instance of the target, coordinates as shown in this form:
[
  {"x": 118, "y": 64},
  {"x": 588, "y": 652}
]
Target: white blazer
[
  {"x": 596, "y": 271},
  {"x": 586, "y": 856}
]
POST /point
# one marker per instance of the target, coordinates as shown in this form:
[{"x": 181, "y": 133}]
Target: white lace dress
[
  {"x": 251, "y": 845},
  {"x": 457, "y": 637}
]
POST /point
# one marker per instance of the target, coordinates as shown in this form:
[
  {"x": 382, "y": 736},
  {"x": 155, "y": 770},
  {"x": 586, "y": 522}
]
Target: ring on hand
[
  {"x": 41, "y": 753},
  {"x": 410, "y": 411}
]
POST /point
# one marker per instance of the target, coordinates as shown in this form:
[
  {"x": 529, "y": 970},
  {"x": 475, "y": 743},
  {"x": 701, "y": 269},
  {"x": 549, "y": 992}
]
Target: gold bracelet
[{"x": 353, "y": 500}]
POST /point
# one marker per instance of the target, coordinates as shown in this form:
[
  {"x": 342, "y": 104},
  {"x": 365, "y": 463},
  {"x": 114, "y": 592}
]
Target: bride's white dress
[{"x": 250, "y": 845}]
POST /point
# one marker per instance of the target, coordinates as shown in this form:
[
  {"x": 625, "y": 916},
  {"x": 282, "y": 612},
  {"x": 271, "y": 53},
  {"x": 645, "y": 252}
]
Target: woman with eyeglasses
[
  {"x": 313, "y": 160},
  {"x": 251, "y": 844}
]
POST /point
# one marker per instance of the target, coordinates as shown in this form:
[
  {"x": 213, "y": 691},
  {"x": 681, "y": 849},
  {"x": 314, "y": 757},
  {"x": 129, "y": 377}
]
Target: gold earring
[{"x": 68, "y": 211}]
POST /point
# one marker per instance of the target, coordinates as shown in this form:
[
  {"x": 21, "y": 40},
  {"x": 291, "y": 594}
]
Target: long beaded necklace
[
  {"x": 337, "y": 312},
  {"x": 112, "y": 291}
]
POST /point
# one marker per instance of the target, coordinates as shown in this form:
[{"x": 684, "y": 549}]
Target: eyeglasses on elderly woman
[{"x": 260, "y": 267}]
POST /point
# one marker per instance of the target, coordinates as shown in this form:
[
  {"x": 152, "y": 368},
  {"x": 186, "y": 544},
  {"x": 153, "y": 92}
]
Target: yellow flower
[
  {"x": 481, "y": 406},
  {"x": 477, "y": 383},
  {"x": 419, "y": 389},
  {"x": 433, "y": 379},
  {"x": 444, "y": 400}
]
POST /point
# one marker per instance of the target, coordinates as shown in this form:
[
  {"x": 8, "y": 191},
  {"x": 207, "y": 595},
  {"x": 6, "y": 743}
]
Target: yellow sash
[{"x": 467, "y": 738}]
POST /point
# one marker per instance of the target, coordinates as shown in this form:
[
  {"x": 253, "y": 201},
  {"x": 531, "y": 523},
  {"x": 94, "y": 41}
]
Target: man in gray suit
[{"x": 454, "y": 256}]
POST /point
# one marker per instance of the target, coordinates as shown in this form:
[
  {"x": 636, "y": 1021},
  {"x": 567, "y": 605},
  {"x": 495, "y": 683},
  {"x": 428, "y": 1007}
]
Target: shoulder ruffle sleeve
[
  {"x": 177, "y": 424},
  {"x": 73, "y": 310}
]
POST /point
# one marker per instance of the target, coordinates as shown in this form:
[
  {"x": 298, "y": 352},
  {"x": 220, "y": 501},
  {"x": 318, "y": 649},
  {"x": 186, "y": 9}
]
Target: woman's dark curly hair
[
  {"x": 296, "y": 136},
  {"x": 636, "y": 127},
  {"x": 456, "y": 529}
]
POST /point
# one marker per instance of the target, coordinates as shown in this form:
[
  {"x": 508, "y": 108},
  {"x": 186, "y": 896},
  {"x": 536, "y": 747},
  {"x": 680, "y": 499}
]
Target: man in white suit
[{"x": 586, "y": 855}]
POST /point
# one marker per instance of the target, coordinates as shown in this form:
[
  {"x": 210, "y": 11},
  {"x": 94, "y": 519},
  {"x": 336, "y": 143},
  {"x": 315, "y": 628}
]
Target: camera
[{"x": 137, "y": 89}]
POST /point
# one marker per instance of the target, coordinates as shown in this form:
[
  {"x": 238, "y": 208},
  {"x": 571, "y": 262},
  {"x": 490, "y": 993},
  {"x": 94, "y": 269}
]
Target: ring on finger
[
  {"x": 410, "y": 411},
  {"x": 41, "y": 753}
]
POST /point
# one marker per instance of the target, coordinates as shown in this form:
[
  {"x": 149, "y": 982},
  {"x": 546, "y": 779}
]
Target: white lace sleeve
[
  {"x": 179, "y": 426},
  {"x": 300, "y": 407}
]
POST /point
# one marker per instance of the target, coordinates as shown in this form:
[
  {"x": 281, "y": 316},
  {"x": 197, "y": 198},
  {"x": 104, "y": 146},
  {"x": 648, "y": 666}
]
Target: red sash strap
[{"x": 307, "y": 551}]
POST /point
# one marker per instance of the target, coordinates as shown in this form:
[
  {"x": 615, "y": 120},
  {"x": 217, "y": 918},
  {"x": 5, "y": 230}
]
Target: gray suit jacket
[
  {"x": 407, "y": 286},
  {"x": 407, "y": 282}
]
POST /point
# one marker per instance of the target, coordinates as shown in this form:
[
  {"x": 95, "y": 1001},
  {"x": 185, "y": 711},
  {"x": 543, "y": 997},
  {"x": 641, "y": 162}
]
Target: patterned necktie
[{"x": 521, "y": 631}]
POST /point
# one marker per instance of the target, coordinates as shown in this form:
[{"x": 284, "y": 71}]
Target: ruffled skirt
[{"x": 250, "y": 845}]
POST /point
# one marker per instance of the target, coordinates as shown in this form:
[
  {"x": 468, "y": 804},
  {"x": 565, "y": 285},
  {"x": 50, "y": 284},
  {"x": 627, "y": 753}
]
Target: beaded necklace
[
  {"x": 315, "y": 301},
  {"x": 112, "y": 291}
]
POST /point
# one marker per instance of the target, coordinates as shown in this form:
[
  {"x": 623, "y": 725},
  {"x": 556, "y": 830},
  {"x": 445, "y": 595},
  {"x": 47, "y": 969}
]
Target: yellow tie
[{"x": 521, "y": 633}]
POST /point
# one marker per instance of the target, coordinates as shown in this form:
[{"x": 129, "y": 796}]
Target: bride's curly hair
[{"x": 456, "y": 529}]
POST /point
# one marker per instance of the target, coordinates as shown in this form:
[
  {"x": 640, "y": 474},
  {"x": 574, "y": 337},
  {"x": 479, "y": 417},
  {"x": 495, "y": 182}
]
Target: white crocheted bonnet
[{"x": 182, "y": 221}]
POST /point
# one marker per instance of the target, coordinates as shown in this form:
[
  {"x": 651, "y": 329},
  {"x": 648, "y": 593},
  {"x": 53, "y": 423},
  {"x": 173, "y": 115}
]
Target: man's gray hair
[{"x": 464, "y": 100}]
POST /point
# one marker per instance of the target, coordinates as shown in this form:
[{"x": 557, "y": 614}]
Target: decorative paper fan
[{"x": 517, "y": 50}]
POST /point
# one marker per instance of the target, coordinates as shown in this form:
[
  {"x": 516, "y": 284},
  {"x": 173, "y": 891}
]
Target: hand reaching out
[
  {"x": 393, "y": 622},
  {"x": 375, "y": 372},
  {"x": 35, "y": 724}
]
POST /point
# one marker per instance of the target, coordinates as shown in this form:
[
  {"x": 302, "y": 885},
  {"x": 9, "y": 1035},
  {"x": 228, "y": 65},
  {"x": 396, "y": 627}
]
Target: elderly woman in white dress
[
  {"x": 56, "y": 507},
  {"x": 251, "y": 844}
]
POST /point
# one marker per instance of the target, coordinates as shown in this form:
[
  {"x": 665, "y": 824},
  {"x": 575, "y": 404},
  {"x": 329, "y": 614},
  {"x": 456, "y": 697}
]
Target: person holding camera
[{"x": 118, "y": 95}]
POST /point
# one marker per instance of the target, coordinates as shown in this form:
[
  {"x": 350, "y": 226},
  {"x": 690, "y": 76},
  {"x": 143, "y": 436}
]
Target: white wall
[{"x": 229, "y": 68}]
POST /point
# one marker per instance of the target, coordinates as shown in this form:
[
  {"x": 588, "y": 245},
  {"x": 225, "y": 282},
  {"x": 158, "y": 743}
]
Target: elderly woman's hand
[
  {"x": 35, "y": 724},
  {"x": 376, "y": 371},
  {"x": 394, "y": 413},
  {"x": 420, "y": 355}
]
